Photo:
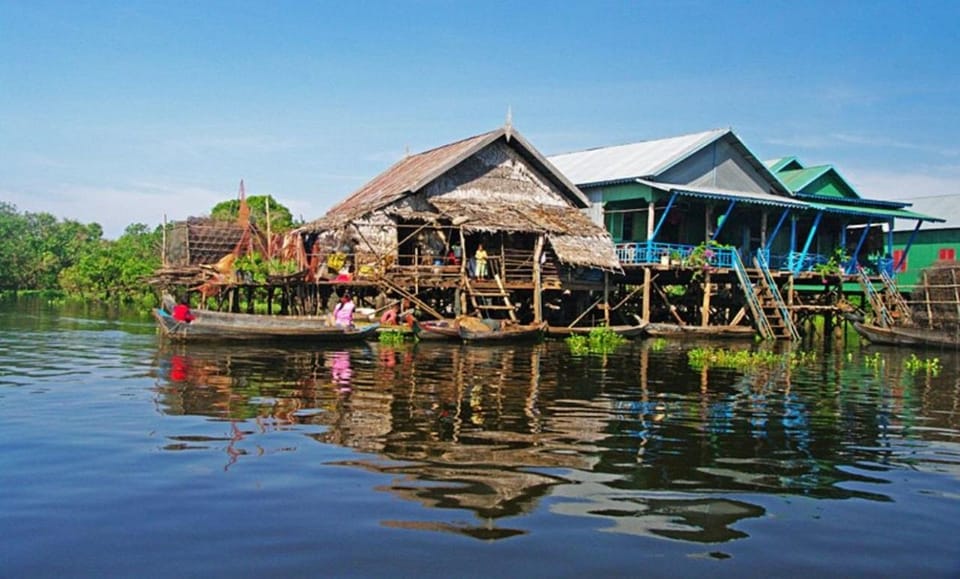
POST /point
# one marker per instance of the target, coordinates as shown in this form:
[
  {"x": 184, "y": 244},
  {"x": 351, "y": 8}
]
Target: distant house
[{"x": 938, "y": 244}]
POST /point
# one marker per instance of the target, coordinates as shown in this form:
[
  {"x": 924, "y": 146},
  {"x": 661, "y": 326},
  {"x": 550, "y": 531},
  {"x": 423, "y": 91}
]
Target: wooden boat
[
  {"x": 438, "y": 330},
  {"x": 209, "y": 325},
  {"x": 626, "y": 331},
  {"x": 657, "y": 330},
  {"x": 502, "y": 333},
  {"x": 903, "y": 336}
]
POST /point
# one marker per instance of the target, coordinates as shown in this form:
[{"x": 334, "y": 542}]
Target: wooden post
[
  {"x": 269, "y": 237},
  {"x": 163, "y": 248},
  {"x": 647, "y": 281},
  {"x": 705, "y": 307},
  {"x": 537, "y": 284},
  {"x": 926, "y": 298},
  {"x": 956, "y": 293},
  {"x": 606, "y": 299},
  {"x": 763, "y": 229}
]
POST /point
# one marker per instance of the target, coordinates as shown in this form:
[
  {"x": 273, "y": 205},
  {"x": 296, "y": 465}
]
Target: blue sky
[{"x": 123, "y": 112}]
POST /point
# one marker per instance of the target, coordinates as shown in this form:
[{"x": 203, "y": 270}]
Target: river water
[{"x": 124, "y": 456}]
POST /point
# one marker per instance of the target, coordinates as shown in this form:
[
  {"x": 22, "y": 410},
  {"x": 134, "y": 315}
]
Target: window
[
  {"x": 947, "y": 254},
  {"x": 897, "y": 256}
]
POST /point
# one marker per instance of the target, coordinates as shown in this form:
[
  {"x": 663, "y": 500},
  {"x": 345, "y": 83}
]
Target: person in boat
[
  {"x": 389, "y": 317},
  {"x": 343, "y": 313},
  {"x": 181, "y": 312}
]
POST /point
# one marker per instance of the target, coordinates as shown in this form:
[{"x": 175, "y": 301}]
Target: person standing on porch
[{"x": 481, "y": 261}]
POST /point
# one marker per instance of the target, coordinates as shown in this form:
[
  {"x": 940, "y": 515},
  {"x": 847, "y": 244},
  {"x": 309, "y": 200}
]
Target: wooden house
[
  {"x": 414, "y": 230},
  {"x": 705, "y": 200}
]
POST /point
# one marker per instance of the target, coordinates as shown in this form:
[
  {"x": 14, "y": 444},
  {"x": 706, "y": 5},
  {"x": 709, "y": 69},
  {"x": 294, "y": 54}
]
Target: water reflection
[{"x": 638, "y": 438}]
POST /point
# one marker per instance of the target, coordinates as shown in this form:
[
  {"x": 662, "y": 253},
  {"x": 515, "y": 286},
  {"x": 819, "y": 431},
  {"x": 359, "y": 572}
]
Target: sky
[{"x": 123, "y": 112}]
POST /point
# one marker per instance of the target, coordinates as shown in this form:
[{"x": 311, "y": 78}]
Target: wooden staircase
[
  {"x": 889, "y": 307},
  {"x": 771, "y": 315},
  {"x": 486, "y": 299}
]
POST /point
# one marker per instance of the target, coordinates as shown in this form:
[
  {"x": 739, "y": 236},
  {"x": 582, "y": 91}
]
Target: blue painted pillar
[{"x": 806, "y": 245}]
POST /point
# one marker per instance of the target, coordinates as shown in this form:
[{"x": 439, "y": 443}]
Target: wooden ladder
[{"x": 480, "y": 298}]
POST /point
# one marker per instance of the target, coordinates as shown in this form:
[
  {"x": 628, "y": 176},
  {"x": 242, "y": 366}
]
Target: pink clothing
[{"x": 343, "y": 313}]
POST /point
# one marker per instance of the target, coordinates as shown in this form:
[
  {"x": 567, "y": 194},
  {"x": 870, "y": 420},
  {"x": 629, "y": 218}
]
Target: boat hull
[
  {"x": 914, "y": 337},
  {"x": 221, "y": 326}
]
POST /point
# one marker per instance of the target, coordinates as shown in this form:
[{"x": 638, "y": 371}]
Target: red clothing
[{"x": 181, "y": 313}]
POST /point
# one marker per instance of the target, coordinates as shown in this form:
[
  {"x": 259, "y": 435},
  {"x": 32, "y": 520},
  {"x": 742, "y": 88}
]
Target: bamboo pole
[
  {"x": 537, "y": 284},
  {"x": 705, "y": 307},
  {"x": 926, "y": 294},
  {"x": 647, "y": 282}
]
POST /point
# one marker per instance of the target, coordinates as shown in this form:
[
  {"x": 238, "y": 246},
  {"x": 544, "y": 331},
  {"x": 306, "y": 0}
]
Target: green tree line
[{"x": 39, "y": 252}]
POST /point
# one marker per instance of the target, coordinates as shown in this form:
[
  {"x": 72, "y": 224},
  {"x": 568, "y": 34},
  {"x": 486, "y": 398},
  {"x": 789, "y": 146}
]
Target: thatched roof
[{"x": 576, "y": 239}]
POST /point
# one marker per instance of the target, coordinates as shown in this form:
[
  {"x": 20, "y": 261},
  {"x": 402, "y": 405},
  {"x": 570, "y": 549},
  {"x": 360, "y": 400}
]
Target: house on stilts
[
  {"x": 719, "y": 240},
  {"x": 413, "y": 233}
]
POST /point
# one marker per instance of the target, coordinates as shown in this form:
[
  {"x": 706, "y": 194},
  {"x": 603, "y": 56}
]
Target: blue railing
[
  {"x": 643, "y": 252},
  {"x": 777, "y": 298}
]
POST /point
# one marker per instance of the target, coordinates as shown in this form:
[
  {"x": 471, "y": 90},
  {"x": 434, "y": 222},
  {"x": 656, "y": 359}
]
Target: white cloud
[{"x": 901, "y": 185}]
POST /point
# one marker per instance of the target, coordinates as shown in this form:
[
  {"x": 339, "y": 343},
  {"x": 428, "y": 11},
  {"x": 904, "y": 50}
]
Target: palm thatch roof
[{"x": 461, "y": 183}]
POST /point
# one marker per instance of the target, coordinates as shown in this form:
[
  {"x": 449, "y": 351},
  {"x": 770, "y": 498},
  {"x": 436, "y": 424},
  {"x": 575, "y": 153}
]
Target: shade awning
[
  {"x": 873, "y": 212},
  {"x": 750, "y": 197}
]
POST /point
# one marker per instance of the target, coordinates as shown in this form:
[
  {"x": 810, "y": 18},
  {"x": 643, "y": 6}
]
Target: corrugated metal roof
[
  {"x": 873, "y": 211},
  {"x": 946, "y": 206},
  {"x": 725, "y": 194},
  {"x": 643, "y": 159},
  {"x": 797, "y": 179}
]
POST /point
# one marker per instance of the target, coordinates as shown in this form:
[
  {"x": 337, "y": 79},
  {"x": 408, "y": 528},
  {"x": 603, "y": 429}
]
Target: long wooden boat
[
  {"x": 208, "y": 325},
  {"x": 626, "y": 331},
  {"x": 657, "y": 330},
  {"x": 438, "y": 330},
  {"x": 504, "y": 333},
  {"x": 902, "y": 336}
]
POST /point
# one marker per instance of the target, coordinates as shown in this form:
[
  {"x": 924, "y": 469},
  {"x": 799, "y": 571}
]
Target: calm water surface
[{"x": 124, "y": 456}]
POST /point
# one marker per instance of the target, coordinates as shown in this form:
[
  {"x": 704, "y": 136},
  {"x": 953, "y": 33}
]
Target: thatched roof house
[{"x": 493, "y": 183}]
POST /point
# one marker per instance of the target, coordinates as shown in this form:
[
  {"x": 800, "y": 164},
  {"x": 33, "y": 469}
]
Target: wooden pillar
[
  {"x": 926, "y": 298},
  {"x": 647, "y": 282},
  {"x": 651, "y": 215},
  {"x": 537, "y": 283},
  {"x": 606, "y": 299},
  {"x": 705, "y": 307},
  {"x": 708, "y": 222},
  {"x": 763, "y": 229}
]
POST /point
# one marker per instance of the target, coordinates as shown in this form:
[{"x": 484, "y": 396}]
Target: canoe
[
  {"x": 504, "y": 333},
  {"x": 626, "y": 331},
  {"x": 225, "y": 326},
  {"x": 657, "y": 330},
  {"x": 901, "y": 336},
  {"x": 438, "y": 330}
]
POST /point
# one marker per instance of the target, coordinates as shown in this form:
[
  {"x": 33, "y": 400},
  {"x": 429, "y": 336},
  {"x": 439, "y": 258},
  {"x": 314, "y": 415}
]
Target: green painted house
[{"x": 866, "y": 227}]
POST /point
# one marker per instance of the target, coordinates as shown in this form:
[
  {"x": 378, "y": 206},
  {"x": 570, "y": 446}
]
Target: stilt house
[{"x": 414, "y": 231}]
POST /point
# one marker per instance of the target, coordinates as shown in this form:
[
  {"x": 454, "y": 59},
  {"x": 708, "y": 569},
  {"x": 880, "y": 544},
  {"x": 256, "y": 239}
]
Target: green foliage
[
  {"x": 36, "y": 247},
  {"x": 700, "y": 258},
  {"x": 258, "y": 268},
  {"x": 929, "y": 365},
  {"x": 745, "y": 360},
  {"x": 598, "y": 341},
  {"x": 658, "y": 344},
  {"x": 114, "y": 271},
  {"x": 675, "y": 291},
  {"x": 391, "y": 337},
  {"x": 281, "y": 220},
  {"x": 834, "y": 265}
]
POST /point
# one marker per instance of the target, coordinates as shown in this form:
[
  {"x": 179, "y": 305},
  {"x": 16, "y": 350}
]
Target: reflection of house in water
[{"x": 634, "y": 438}]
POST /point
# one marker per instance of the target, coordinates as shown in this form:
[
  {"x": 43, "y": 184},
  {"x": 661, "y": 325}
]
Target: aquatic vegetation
[
  {"x": 746, "y": 360},
  {"x": 874, "y": 361},
  {"x": 658, "y": 344},
  {"x": 598, "y": 341},
  {"x": 929, "y": 365},
  {"x": 391, "y": 337}
]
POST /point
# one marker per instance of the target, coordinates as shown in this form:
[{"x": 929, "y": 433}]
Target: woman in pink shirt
[{"x": 343, "y": 313}]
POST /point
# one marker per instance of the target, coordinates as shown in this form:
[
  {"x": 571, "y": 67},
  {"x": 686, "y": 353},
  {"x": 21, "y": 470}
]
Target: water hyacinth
[{"x": 598, "y": 341}]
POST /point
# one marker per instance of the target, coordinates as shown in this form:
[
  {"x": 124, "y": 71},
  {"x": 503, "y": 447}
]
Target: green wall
[{"x": 924, "y": 252}]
